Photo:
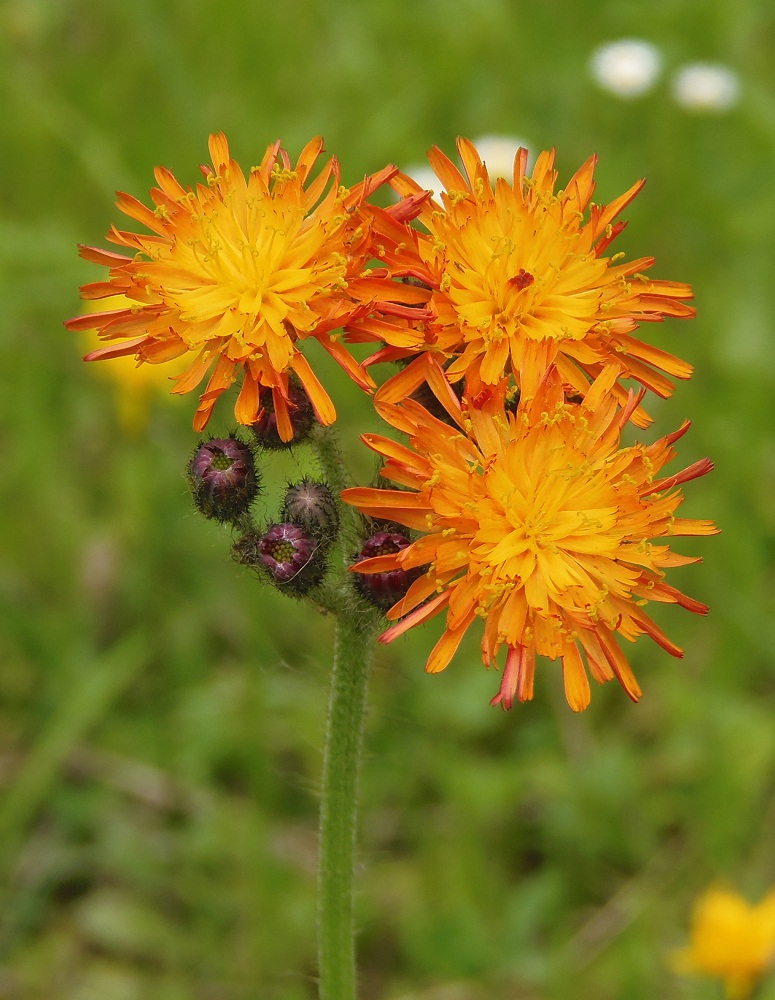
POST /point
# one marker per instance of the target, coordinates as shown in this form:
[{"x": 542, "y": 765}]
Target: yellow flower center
[
  {"x": 546, "y": 520},
  {"x": 517, "y": 269},
  {"x": 243, "y": 268}
]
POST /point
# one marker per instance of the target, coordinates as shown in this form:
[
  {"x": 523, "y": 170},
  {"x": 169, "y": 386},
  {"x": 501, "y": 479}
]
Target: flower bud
[
  {"x": 289, "y": 553},
  {"x": 302, "y": 418},
  {"x": 427, "y": 398},
  {"x": 384, "y": 589},
  {"x": 223, "y": 480},
  {"x": 311, "y": 505}
]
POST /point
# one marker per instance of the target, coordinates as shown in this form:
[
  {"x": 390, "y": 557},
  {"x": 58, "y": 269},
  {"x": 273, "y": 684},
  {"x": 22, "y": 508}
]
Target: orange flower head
[
  {"x": 235, "y": 273},
  {"x": 519, "y": 280},
  {"x": 537, "y": 522},
  {"x": 731, "y": 940}
]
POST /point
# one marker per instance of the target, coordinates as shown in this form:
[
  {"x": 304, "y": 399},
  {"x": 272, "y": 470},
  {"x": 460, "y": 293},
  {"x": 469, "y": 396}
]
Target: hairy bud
[
  {"x": 384, "y": 589},
  {"x": 302, "y": 418},
  {"x": 223, "y": 479},
  {"x": 311, "y": 505},
  {"x": 288, "y": 553}
]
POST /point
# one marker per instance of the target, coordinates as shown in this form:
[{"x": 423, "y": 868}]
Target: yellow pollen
[{"x": 283, "y": 174}]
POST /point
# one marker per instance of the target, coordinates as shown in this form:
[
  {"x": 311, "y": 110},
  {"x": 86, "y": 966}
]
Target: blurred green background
[{"x": 161, "y": 712}]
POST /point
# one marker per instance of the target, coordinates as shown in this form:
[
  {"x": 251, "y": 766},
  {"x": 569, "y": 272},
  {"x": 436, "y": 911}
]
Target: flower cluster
[{"x": 514, "y": 327}]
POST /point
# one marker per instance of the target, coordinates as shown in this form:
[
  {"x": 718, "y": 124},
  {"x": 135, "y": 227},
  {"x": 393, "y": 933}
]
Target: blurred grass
[{"x": 161, "y": 713}]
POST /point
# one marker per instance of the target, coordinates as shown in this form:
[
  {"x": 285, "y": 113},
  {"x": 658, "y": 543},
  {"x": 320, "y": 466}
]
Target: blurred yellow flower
[
  {"x": 136, "y": 385},
  {"x": 731, "y": 940},
  {"x": 235, "y": 273}
]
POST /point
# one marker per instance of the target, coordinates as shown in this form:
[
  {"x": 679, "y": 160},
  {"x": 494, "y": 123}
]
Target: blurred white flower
[
  {"x": 425, "y": 177},
  {"x": 498, "y": 152},
  {"x": 627, "y": 68},
  {"x": 706, "y": 87}
]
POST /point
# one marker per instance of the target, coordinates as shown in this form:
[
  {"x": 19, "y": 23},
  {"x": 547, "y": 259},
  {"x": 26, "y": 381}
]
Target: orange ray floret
[
  {"x": 235, "y": 273},
  {"x": 518, "y": 279},
  {"x": 135, "y": 386},
  {"x": 540, "y": 524}
]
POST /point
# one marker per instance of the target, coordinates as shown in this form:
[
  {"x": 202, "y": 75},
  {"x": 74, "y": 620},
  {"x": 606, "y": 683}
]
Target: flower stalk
[
  {"x": 353, "y": 653},
  {"x": 354, "y": 642}
]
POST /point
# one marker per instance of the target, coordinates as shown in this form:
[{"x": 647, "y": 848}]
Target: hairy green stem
[
  {"x": 338, "y": 807},
  {"x": 326, "y": 446},
  {"x": 355, "y": 633}
]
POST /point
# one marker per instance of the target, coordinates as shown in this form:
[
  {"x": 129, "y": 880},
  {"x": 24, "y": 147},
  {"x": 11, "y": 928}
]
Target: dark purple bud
[
  {"x": 384, "y": 589},
  {"x": 291, "y": 555},
  {"x": 302, "y": 418},
  {"x": 223, "y": 480},
  {"x": 427, "y": 398},
  {"x": 312, "y": 506}
]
